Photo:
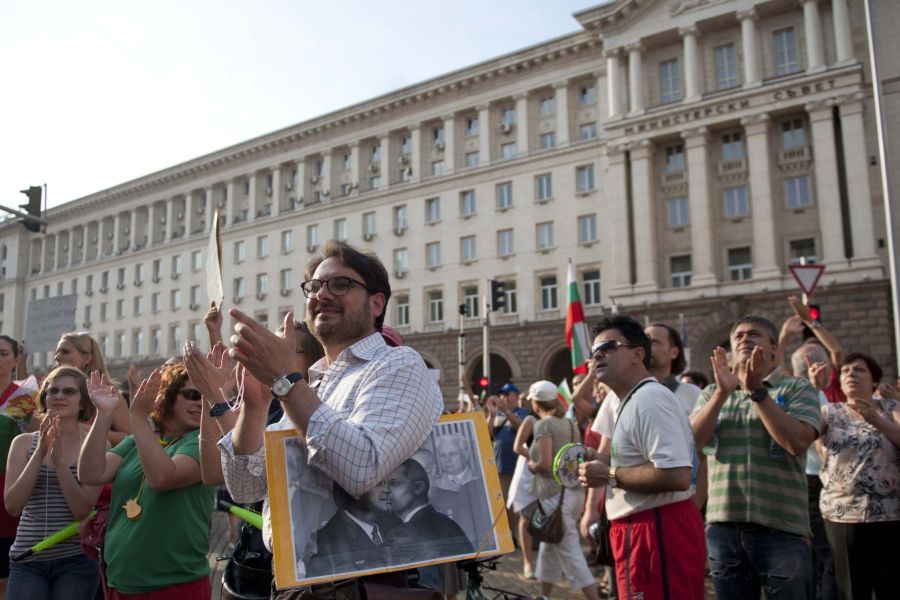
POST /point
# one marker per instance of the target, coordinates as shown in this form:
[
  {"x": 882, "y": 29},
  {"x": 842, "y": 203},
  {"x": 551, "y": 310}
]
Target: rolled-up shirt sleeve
[
  {"x": 245, "y": 475},
  {"x": 392, "y": 414}
]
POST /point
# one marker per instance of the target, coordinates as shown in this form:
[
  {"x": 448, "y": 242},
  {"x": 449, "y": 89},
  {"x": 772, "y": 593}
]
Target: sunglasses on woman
[{"x": 190, "y": 394}]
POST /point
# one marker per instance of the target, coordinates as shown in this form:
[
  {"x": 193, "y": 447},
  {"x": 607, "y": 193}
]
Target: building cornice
[{"x": 315, "y": 130}]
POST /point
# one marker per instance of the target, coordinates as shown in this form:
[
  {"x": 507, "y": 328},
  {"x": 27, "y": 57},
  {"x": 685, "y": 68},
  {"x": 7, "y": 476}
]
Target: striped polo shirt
[{"x": 751, "y": 478}]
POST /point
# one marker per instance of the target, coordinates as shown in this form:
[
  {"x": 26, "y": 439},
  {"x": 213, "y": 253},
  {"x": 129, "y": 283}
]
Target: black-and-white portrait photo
[{"x": 434, "y": 507}]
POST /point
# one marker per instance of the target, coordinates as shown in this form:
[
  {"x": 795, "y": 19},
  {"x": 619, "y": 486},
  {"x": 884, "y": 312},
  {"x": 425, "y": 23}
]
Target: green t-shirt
[
  {"x": 751, "y": 478},
  {"x": 168, "y": 544},
  {"x": 9, "y": 429}
]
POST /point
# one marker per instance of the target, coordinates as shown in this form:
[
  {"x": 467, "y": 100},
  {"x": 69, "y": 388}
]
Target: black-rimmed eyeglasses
[
  {"x": 608, "y": 346},
  {"x": 337, "y": 286}
]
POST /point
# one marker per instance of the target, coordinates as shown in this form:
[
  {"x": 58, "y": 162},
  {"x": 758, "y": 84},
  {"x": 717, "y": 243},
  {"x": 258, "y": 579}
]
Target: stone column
[
  {"x": 210, "y": 207},
  {"x": 229, "y": 202},
  {"x": 326, "y": 182},
  {"x": 862, "y": 228},
  {"x": 749, "y": 43},
  {"x": 170, "y": 219},
  {"x": 562, "y": 113},
  {"x": 523, "y": 135},
  {"x": 275, "y": 200},
  {"x": 614, "y": 82},
  {"x": 827, "y": 186},
  {"x": 843, "y": 41},
  {"x": 385, "y": 168},
  {"x": 765, "y": 255},
  {"x": 636, "y": 78},
  {"x": 133, "y": 237},
  {"x": 620, "y": 259},
  {"x": 485, "y": 134},
  {"x": 416, "y": 152},
  {"x": 692, "y": 68},
  {"x": 643, "y": 201},
  {"x": 117, "y": 235},
  {"x": 812, "y": 28},
  {"x": 252, "y": 201},
  {"x": 70, "y": 248},
  {"x": 449, "y": 144},
  {"x": 190, "y": 214},
  {"x": 153, "y": 224},
  {"x": 101, "y": 236},
  {"x": 354, "y": 167},
  {"x": 703, "y": 228}
]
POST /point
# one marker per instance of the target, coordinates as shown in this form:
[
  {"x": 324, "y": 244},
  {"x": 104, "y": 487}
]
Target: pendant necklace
[{"x": 132, "y": 506}]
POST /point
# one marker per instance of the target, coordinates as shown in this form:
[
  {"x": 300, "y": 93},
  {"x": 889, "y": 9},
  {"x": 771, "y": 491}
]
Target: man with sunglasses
[
  {"x": 367, "y": 406},
  {"x": 755, "y": 425},
  {"x": 656, "y": 531}
]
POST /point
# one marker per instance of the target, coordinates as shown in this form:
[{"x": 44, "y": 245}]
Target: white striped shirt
[{"x": 379, "y": 404}]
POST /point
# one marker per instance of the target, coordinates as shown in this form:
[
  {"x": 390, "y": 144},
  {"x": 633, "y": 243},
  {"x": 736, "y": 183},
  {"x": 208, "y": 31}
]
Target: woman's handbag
[{"x": 547, "y": 528}]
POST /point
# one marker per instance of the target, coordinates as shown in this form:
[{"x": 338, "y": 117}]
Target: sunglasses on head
[
  {"x": 609, "y": 346},
  {"x": 189, "y": 394}
]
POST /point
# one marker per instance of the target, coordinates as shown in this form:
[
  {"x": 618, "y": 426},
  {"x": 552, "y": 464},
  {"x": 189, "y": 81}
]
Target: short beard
[{"x": 347, "y": 328}]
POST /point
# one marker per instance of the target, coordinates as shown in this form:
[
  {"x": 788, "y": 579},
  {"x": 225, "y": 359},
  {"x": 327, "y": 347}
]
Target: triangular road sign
[{"x": 807, "y": 276}]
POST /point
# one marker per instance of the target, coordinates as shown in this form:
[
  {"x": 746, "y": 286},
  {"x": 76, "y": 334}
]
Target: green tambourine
[{"x": 565, "y": 465}]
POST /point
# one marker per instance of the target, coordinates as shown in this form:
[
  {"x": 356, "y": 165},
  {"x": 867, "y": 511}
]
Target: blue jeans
[
  {"x": 68, "y": 578},
  {"x": 745, "y": 558}
]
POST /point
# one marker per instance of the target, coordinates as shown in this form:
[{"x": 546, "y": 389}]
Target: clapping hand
[
  {"x": 210, "y": 373},
  {"x": 47, "y": 435},
  {"x": 263, "y": 353},
  {"x": 726, "y": 377},
  {"x": 146, "y": 394},
  {"x": 103, "y": 394},
  {"x": 818, "y": 373}
]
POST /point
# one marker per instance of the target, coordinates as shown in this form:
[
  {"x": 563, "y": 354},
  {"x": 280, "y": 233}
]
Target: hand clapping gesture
[
  {"x": 146, "y": 394},
  {"x": 48, "y": 437},
  {"x": 726, "y": 377},
  {"x": 261, "y": 352},
  {"x": 104, "y": 395},
  {"x": 210, "y": 373}
]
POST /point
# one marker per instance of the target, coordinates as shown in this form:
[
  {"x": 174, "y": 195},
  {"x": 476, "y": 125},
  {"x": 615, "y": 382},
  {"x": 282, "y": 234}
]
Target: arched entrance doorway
[
  {"x": 560, "y": 367},
  {"x": 501, "y": 373}
]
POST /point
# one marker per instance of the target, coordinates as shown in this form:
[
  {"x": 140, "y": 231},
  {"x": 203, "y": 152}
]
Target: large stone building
[{"x": 680, "y": 153}]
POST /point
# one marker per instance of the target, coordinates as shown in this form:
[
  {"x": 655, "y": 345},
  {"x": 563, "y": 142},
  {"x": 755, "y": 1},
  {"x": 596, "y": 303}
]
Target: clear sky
[{"x": 96, "y": 93}]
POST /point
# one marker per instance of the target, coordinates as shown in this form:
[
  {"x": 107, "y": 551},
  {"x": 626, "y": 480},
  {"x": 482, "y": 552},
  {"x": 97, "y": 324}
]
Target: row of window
[
  {"x": 739, "y": 262},
  {"x": 784, "y": 42},
  {"x": 548, "y": 293}
]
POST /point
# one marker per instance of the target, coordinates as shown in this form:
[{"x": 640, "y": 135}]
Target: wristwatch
[
  {"x": 217, "y": 410},
  {"x": 759, "y": 394},
  {"x": 282, "y": 385},
  {"x": 613, "y": 482}
]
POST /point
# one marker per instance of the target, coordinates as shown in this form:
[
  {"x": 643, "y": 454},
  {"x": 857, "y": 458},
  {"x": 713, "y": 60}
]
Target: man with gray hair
[{"x": 756, "y": 425}]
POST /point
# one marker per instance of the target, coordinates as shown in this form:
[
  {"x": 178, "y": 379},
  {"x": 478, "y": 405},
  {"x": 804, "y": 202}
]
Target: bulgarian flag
[
  {"x": 564, "y": 394},
  {"x": 576, "y": 328}
]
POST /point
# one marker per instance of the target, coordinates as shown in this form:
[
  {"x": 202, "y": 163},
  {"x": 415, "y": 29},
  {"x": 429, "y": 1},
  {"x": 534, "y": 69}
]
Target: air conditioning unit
[
  {"x": 506, "y": 127},
  {"x": 94, "y": 240},
  {"x": 162, "y": 219},
  {"x": 326, "y": 192},
  {"x": 314, "y": 179},
  {"x": 109, "y": 235},
  {"x": 180, "y": 216},
  {"x": 127, "y": 229},
  {"x": 156, "y": 278},
  {"x": 120, "y": 286},
  {"x": 200, "y": 210},
  {"x": 368, "y": 236},
  {"x": 268, "y": 191},
  {"x": 407, "y": 172},
  {"x": 289, "y": 185},
  {"x": 354, "y": 185},
  {"x": 403, "y": 160},
  {"x": 286, "y": 292},
  {"x": 104, "y": 289},
  {"x": 399, "y": 230},
  {"x": 193, "y": 306},
  {"x": 374, "y": 167},
  {"x": 88, "y": 292},
  {"x": 80, "y": 243},
  {"x": 175, "y": 276},
  {"x": 261, "y": 296},
  {"x": 237, "y": 299},
  {"x": 311, "y": 247},
  {"x": 439, "y": 146},
  {"x": 86, "y": 324},
  {"x": 138, "y": 282},
  {"x": 400, "y": 274}
]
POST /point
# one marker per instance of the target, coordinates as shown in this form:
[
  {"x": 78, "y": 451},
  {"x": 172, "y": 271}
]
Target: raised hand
[
  {"x": 256, "y": 394},
  {"x": 104, "y": 395},
  {"x": 800, "y": 309},
  {"x": 889, "y": 391},
  {"x": 726, "y": 378},
  {"x": 134, "y": 377},
  {"x": 47, "y": 435},
  {"x": 56, "y": 449},
  {"x": 263, "y": 353},
  {"x": 213, "y": 318},
  {"x": 793, "y": 325},
  {"x": 818, "y": 373},
  {"x": 210, "y": 373},
  {"x": 147, "y": 392}
]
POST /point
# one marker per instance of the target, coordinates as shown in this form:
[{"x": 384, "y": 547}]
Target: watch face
[
  {"x": 281, "y": 386},
  {"x": 218, "y": 409}
]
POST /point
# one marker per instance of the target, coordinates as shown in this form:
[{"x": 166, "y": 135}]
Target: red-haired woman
[{"x": 157, "y": 540}]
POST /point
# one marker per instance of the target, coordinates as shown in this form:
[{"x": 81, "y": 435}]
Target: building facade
[{"x": 680, "y": 153}]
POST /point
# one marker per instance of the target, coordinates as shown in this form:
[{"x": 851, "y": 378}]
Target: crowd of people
[{"x": 779, "y": 477}]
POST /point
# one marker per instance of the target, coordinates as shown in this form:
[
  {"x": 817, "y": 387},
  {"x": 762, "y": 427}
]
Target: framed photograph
[{"x": 443, "y": 504}]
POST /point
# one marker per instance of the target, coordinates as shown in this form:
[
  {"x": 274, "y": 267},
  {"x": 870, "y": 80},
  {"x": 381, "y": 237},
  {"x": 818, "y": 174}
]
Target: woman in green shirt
[{"x": 157, "y": 541}]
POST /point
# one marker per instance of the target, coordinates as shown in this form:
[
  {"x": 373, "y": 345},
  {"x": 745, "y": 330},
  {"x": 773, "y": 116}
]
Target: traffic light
[
  {"x": 814, "y": 312},
  {"x": 498, "y": 295},
  {"x": 464, "y": 310},
  {"x": 33, "y": 207},
  {"x": 816, "y": 315},
  {"x": 484, "y": 382}
]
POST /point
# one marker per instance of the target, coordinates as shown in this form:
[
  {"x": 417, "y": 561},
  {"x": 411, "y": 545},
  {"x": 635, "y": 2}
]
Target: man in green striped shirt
[{"x": 755, "y": 425}]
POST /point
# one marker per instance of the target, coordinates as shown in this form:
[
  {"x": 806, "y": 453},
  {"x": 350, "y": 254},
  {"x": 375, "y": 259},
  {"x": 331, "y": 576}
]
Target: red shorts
[
  {"x": 199, "y": 589},
  {"x": 660, "y": 553}
]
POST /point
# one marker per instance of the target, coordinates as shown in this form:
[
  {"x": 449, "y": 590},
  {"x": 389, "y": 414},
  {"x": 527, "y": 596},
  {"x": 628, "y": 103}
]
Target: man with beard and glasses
[{"x": 366, "y": 408}]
